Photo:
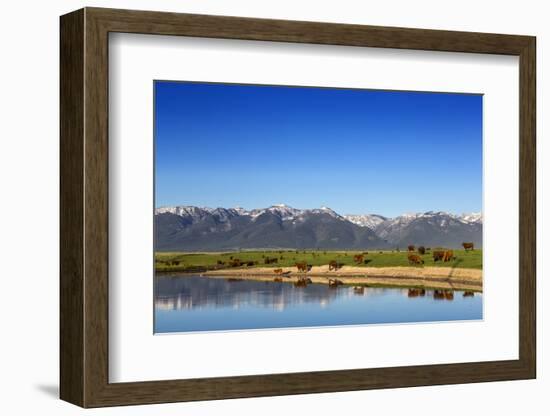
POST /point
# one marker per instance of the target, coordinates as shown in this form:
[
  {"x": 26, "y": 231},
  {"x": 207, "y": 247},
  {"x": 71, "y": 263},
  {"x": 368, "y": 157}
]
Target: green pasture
[{"x": 191, "y": 262}]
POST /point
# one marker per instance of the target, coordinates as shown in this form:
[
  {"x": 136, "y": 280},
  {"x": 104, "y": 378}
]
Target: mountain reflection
[{"x": 195, "y": 292}]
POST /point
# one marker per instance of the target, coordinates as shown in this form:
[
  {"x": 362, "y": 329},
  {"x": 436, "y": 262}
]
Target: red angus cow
[
  {"x": 334, "y": 265},
  {"x": 302, "y": 266},
  {"x": 468, "y": 246},
  {"x": 438, "y": 255},
  {"x": 358, "y": 258},
  {"x": 415, "y": 259},
  {"x": 448, "y": 256}
]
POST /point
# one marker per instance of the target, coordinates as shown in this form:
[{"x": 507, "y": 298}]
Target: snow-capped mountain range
[
  {"x": 283, "y": 211},
  {"x": 375, "y": 221},
  {"x": 190, "y": 228}
]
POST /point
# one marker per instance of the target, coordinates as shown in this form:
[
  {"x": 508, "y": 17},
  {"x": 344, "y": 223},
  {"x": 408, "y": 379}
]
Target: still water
[{"x": 194, "y": 303}]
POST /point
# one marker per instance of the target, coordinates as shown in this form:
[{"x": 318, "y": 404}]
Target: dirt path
[{"x": 433, "y": 277}]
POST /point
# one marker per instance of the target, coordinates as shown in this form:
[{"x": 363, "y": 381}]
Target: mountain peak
[
  {"x": 325, "y": 210},
  {"x": 366, "y": 220}
]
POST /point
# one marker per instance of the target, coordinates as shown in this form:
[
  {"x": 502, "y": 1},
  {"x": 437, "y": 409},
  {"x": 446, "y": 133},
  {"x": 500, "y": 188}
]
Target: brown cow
[
  {"x": 302, "y": 266},
  {"x": 410, "y": 248},
  {"x": 415, "y": 259},
  {"x": 422, "y": 250},
  {"x": 269, "y": 260},
  {"x": 438, "y": 255},
  {"x": 448, "y": 256},
  {"x": 278, "y": 271},
  {"x": 236, "y": 263},
  {"x": 334, "y": 265},
  {"x": 358, "y": 258},
  {"x": 468, "y": 246}
]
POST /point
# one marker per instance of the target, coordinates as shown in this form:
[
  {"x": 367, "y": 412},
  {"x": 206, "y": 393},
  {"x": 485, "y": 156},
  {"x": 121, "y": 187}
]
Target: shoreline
[{"x": 427, "y": 277}]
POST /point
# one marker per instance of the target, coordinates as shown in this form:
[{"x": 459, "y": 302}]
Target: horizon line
[{"x": 480, "y": 212}]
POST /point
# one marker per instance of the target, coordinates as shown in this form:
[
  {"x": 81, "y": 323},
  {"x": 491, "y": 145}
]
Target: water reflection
[
  {"x": 195, "y": 292},
  {"x": 194, "y": 303},
  {"x": 444, "y": 295},
  {"x": 413, "y": 293},
  {"x": 198, "y": 292}
]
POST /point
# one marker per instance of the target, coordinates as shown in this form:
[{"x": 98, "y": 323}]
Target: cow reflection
[
  {"x": 302, "y": 282},
  {"x": 334, "y": 283},
  {"x": 443, "y": 294},
  {"x": 414, "y": 293}
]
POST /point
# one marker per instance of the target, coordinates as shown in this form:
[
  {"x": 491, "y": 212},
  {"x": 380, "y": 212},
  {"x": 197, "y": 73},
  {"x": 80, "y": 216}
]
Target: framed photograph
[{"x": 255, "y": 207}]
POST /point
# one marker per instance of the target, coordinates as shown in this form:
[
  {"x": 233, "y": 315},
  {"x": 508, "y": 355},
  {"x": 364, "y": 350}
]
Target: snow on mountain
[
  {"x": 287, "y": 213},
  {"x": 472, "y": 217},
  {"x": 284, "y": 211},
  {"x": 281, "y": 210},
  {"x": 184, "y": 211},
  {"x": 323, "y": 210},
  {"x": 241, "y": 211},
  {"x": 437, "y": 218},
  {"x": 369, "y": 220}
]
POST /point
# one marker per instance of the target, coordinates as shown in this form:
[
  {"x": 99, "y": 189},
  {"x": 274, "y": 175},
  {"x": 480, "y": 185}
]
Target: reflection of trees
[{"x": 194, "y": 292}]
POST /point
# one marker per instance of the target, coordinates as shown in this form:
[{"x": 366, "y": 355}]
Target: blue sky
[{"x": 355, "y": 151}]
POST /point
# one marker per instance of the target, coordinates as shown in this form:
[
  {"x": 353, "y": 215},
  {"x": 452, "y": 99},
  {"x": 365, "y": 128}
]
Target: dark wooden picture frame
[{"x": 84, "y": 207}]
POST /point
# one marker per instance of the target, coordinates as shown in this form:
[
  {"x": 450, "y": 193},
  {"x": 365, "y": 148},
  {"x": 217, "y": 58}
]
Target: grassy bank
[{"x": 200, "y": 262}]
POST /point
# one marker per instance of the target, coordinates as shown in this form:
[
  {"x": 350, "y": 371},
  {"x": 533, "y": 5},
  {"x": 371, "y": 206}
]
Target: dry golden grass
[{"x": 432, "y": 277}]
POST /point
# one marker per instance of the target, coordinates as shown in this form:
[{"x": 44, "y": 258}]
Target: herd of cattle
[
  {"x": 442, "y": 255},
  {"x": 413, "y": 256},
  {"x": 414, "y": 259},
  {"x": 437, "y": 255}
]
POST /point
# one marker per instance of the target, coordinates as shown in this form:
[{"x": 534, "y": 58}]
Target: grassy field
[{"x": 197, "y": 262}]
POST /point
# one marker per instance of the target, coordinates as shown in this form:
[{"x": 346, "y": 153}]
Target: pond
[{"x": 193, "y": 303}]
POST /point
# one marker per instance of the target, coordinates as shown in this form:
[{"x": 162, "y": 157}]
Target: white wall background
[{"x": 29, "y": 158}]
